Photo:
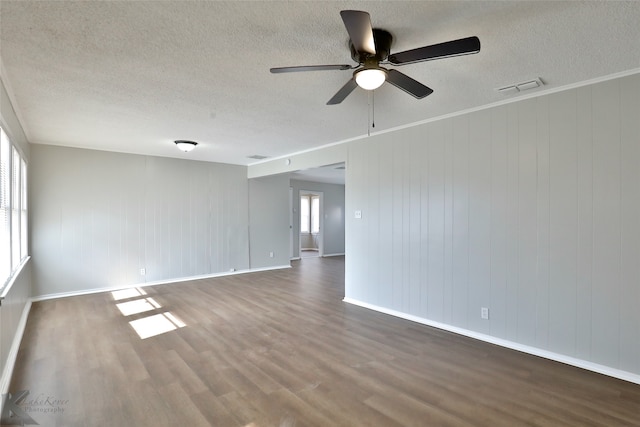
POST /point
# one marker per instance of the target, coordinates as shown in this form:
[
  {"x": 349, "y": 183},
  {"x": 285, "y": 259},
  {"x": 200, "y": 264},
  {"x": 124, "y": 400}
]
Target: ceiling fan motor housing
[{"x": 382, "y": 40}]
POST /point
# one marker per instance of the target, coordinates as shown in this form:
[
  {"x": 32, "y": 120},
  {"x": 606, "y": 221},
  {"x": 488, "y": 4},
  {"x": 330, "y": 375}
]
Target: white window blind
[
  {"x": 23, "y": 210},
  {"x": 315, "y": 214},
  {"x": 5, "y": 209},
  {"x": 13, "y": 209}
]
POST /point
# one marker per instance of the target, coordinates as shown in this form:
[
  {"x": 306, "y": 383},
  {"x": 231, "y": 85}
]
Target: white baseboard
[
  {"x": 154, "y": 283},
  {"x": 329, "y": 255},
  {"x": 7, "y": 372},
  {"x": 580, "y": 363}
]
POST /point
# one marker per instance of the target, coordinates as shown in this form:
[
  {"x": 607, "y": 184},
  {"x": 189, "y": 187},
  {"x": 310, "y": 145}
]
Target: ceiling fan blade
[
  {"x": 407, "y": 84},
  {"x": 358, "y": 26},
  {"x": 343, "y": 92},
  {"x": 459, "y": 47},
  {"x": 310, "y": 68}
]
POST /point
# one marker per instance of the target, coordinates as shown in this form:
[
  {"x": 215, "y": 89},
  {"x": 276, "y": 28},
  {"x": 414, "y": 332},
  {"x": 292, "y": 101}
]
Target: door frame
[{"x": 320, "y": 195}]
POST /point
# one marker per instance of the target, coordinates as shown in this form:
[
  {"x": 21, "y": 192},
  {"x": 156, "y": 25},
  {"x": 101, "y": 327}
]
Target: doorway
[{"x": 311, "y": 220}]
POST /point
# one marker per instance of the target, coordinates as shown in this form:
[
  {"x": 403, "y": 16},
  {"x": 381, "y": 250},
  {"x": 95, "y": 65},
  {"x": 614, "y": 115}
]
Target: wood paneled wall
[
  {"x": 531, "y": 209},
  {"x": 269, "y": 221},
  {"x": 100, "y": 217}
]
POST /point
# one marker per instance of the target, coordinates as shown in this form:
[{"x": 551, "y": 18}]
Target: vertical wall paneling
[
  {"x": 630, "y": 224},
  {"x": 527, "y": 221},
  {"x": 435, "y": 218},
  {"x": 530, "y": 209},
  {"x": 460, "y": 245},
  {"x": 584, "y": 243},
  {"x": 269, "y": 221},
  {"x": 214, "y": 246},
  {"x": 448, "y": 222},
  {"x": 385, "y": 242},
  {"x": 423, "y": 292},
  {"x": 355, "y": 228},
  {"x": 376, "y": 251},
  {"x": 200, "y": 217},
  {"x": 99, "y": 217},
  {"x": 542, "y": 119},
  {"x": 397, "y": 259},
  {"x": 405, "y": 160},
  {"x": 562, "y": 222},
  {"x": 512, "y": 223},
  {"x": 479, "y": 218},
  {"x": 606, "y": 223},
  {"x": 418, "y": 157},
  {"x": 499, "y": 215},
  {"x": 378, "y": 242},
  {"x": 237, "y": 230}
]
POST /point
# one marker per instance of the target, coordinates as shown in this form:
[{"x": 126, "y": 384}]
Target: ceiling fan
[{"x": 370, "y": 47}]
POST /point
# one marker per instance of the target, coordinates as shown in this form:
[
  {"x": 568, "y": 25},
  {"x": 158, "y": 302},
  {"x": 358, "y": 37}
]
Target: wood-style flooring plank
[{"x": 281, "y": 348}]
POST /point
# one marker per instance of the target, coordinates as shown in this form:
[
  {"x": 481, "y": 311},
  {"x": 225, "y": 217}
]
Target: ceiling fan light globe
[{"x": 370, "y": 78}]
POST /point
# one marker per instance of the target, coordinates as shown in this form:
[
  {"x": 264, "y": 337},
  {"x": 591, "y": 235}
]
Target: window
[
  {"x": 315, "y": 214},
  {"x": 23, "y": 210},
  {"x": 5, "y": 209},
  {"x": 310, "y": 214},
  {"x": 13, "y": 209},
  {"x": 304, "y": 214}
]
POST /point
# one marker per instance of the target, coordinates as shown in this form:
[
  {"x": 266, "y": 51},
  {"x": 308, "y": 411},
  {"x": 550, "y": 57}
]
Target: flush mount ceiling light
[
  {"x": 370, "y": 78},
  {"x": 185, "y": 146}
]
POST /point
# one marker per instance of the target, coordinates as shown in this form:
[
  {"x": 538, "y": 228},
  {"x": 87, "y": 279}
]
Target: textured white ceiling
[
  {"x": 134, "y": 76},
  {"x": 329, "y": 174}
]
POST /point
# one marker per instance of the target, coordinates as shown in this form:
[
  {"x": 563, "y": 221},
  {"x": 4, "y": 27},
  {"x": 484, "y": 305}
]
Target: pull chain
[
  {"x": 373, "y": 109},
  {"x": 371, "y": 112}
]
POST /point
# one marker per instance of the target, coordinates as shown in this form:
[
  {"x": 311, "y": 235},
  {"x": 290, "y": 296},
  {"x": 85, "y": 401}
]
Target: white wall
[
  {"x": 531, "y": 209},
  {"x": 269, "y": 221},
  {"x": 99, "y": 217},
  {"x": 334, "y": 221}
]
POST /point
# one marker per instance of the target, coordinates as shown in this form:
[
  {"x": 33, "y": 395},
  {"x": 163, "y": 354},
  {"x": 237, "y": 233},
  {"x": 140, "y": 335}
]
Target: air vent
[
  {"x": 340, "y": 167},
  {"x": 520, "y": 87},
  {"x": 257, "y": 157}
]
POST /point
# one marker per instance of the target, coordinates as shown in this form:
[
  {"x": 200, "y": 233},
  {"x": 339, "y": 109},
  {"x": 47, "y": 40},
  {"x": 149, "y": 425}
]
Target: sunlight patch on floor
[
  {"x": 128, "y": 293},
  {"x": 157, "y": 324},
  {"x": 137, "y": 306}
]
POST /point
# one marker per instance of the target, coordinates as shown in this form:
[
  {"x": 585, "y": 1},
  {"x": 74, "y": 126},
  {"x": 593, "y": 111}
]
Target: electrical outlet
[
  {"x": 357, "y": 215},
  {"x": 484, "y": 313},
  {"x": 143, "y": 271},
  {"x": 270, "y": 254}
]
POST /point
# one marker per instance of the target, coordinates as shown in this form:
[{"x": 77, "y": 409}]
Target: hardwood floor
[{"x": 280, "y": 348}]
